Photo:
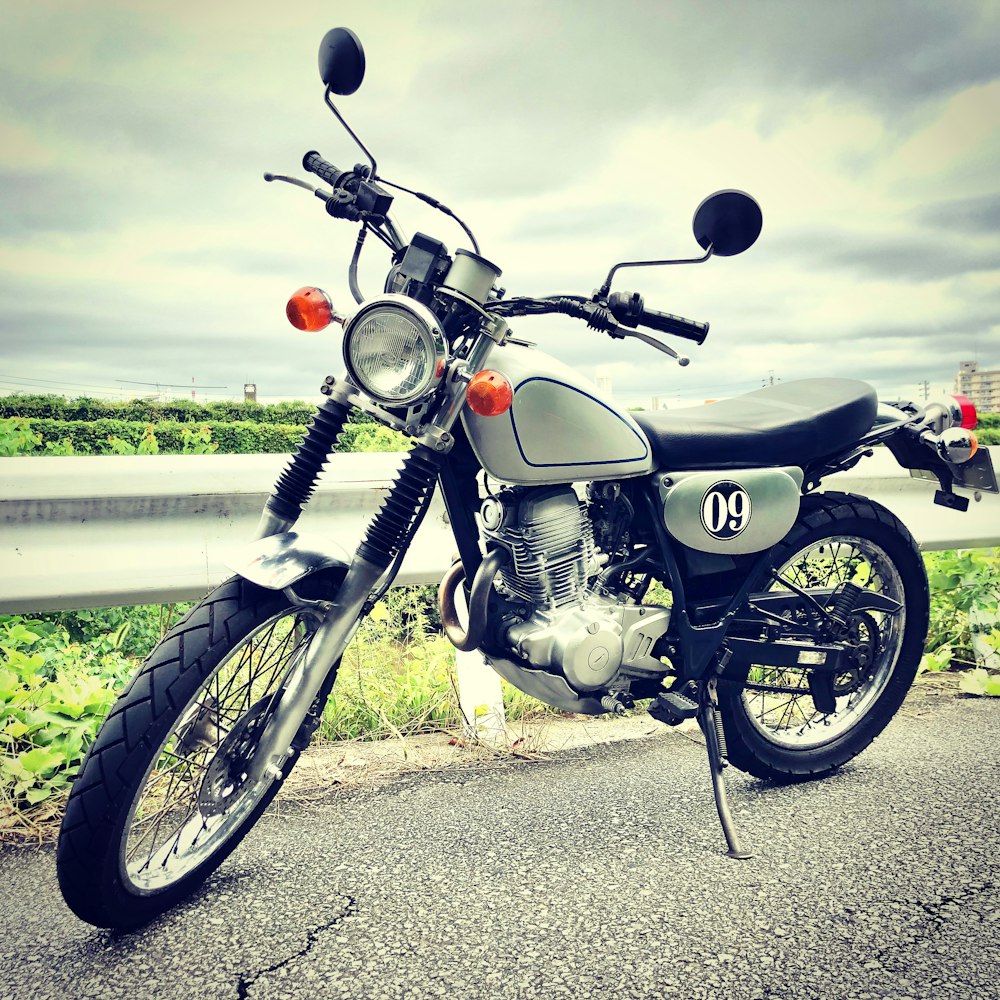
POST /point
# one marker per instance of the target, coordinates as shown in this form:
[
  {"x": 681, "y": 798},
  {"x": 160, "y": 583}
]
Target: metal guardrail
[{"x": 79, "y": 532}]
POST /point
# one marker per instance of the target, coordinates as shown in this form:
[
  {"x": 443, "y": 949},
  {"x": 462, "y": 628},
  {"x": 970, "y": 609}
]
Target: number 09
[{"x": 726, "y": 515}]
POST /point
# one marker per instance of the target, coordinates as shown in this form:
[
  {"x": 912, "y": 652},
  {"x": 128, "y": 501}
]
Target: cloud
[
  {"x": 138, "y": 240},
  {"x": 907, "y": 258},
  {"x": 964, "y": 216}
]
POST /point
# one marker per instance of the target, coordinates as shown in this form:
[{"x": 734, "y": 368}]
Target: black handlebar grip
[
  {"x": 689, "y": 329},
  {"x": 323, "y": 169}
]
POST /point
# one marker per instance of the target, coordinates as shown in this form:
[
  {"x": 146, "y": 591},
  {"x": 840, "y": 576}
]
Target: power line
[
  {"x": 170, "y": 385},
  {"x": 127, "y": 381},
  {"x": 32, "y": 385}
]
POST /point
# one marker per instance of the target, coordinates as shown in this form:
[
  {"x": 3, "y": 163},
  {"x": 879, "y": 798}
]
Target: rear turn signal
[
  {"x": 957, "y": 445},
  {"x": 489, "y": 394},
  {"x": 310, "y": 309}
]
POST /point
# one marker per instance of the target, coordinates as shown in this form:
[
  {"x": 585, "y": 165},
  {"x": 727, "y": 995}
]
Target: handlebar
[
  {"x": 325, "y": 170},
  {"x": 628, "y": 308},
  {"x": 689, "y": 329}
]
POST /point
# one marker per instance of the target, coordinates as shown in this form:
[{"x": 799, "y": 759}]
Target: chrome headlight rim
[{"x": 429, "y": 332}]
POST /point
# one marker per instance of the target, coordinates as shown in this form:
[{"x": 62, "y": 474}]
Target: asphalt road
[{"x": 596, "y": 873}]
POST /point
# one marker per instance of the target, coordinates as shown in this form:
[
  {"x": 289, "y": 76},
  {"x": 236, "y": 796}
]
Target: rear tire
[
  {"x": 194, "y": 709},
  {"x": 788, "y": 739}
]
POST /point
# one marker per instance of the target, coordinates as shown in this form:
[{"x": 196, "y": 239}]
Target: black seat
[{"x": 787, "y": 424}]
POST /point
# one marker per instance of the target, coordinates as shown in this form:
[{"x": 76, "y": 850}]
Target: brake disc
[{"x": 227, "y": 774}]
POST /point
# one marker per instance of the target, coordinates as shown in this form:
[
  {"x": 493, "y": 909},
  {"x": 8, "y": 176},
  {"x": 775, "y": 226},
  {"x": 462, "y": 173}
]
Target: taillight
[
  {"x": 969, "y": 418},
  {"x": 489, "y": 394},
  {"x": 310, "y": 309}
]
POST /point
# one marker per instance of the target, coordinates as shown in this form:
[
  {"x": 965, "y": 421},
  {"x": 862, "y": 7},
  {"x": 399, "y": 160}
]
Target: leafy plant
[
  {"x": 137, "y": 628},
  {"x": 17, "y": 437},
  {"x": 197, "y": 441},
  {"x": 965, "y": 589},
  {"x": 148, "y": 445},
  {"x": 53, "y": 695},
  {"x": 980, "y": 682}
]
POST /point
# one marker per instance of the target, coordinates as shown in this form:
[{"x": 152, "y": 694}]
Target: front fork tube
[
  {"x": 271, "y": 524},
  {"x": 307, "y": 676}
]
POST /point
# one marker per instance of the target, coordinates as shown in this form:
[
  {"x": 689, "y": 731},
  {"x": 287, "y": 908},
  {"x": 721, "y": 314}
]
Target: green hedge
[
  {"x": 233, "y": 438},
  {"x": 988, "y": 430},
  {"x": 149, "y": 412}
]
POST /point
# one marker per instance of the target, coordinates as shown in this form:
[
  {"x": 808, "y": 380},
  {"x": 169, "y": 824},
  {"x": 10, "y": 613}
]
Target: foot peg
[{"x": 673, "y": 708}]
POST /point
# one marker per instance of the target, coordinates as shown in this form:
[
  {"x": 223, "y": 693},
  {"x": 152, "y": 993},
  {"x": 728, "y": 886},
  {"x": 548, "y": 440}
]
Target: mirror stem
[
  {"x": 350, "y": 131},
  {"x": 606, "y": 287}
]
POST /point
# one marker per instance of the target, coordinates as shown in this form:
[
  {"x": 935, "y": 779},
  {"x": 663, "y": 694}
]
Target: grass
[{"x": 60, "y": 673}]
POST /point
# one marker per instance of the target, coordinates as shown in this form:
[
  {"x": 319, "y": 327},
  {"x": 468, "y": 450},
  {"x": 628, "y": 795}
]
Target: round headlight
[{"x": 394, "y": 349}]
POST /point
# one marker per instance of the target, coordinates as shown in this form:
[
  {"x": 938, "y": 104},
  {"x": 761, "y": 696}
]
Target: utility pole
[{"x": 925, "y": 388}]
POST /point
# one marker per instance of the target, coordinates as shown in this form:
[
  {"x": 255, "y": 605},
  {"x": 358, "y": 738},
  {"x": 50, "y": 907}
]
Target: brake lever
[{"x": 621, "y": 332}]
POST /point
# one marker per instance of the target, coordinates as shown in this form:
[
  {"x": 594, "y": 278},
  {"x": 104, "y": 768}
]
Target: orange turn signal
[
  {"x": 309, "y": 309},
  {"x": 489, "y": 394}
]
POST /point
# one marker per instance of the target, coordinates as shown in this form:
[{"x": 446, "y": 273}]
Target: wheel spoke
[
  {"x": 168, "y": 833},
  {"x": 792, "y": 719}
]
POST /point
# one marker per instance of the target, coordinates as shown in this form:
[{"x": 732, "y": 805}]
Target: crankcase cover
[
  {"x": 733, "y": 511},
  {"x": 584, "y": 644}
]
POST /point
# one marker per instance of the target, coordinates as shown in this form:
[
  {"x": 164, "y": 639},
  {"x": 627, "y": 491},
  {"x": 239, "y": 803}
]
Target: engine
[{"x": 559, "y": 623}]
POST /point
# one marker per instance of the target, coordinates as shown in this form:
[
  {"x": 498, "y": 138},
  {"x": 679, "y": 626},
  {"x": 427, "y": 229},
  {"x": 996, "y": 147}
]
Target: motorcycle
[{"x": 796, "y": 617}]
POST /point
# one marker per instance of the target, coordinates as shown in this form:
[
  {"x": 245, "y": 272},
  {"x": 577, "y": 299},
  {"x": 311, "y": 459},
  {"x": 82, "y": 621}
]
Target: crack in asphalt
[
  {"x": 934, "y": 911},
  {"x": 245, "y": 981}
]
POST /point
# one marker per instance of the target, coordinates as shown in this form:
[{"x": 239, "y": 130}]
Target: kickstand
[{"x": 715, "y": 741}]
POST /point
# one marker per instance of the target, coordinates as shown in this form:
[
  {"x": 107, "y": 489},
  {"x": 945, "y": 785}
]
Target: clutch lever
[{"x": 291, "y": 180}]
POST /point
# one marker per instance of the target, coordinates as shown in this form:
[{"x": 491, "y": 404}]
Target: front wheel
[
  {"x": 162, "y": 797},
  {"x": 774, "y": 727}
]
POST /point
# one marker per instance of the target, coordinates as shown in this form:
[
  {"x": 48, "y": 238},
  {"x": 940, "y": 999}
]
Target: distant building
[
  {"x": 603, "y": 381},
  {"x": 982, "y": 387}
]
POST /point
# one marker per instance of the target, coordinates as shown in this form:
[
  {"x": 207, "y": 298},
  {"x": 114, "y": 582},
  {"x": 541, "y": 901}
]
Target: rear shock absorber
[
  {"x": 391, "y": 527},
  {"x": 844, "y": 602},
  {"x": 296, "y": 484}
]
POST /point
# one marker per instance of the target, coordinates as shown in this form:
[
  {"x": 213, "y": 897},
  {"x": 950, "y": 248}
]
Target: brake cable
[{"x": 434, "y": 203}]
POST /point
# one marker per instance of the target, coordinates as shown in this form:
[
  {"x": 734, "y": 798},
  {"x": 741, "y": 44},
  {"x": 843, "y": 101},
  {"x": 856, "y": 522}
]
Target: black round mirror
[
  {"x": 729, "y": 222},
  {"x": 341, "y": 61}
]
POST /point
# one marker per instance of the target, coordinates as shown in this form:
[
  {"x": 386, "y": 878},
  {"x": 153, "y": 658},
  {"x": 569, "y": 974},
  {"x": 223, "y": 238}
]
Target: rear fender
[{"x": 278, "y": 561}]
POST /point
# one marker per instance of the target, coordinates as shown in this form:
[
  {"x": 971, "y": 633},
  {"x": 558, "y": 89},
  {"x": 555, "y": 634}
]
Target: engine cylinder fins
[
  {"x": 551, "y": 543},
  {"x": 298, "y": 480},
  {"x": 391, "y": 525}
]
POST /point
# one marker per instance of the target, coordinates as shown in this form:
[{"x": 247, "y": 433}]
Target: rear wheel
[
  {"x": 775, "y": 724},
  {"x": 163, "y": 796}
]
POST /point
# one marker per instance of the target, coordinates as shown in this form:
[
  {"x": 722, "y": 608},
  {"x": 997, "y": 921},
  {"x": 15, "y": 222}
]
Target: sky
[{"x": 139, "y": 243}]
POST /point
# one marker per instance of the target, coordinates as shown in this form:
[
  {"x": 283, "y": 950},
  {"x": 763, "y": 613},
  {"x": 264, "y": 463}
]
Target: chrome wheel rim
[
  {"x": 789, "y": 719},
  {"x": 169, "y": 831}
]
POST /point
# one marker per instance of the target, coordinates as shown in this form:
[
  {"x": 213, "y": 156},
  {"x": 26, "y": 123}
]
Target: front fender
[{"x": 280, "y": 560}]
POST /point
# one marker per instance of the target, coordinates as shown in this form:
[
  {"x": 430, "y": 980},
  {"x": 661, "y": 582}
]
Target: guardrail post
[{"x": 480, "y": 695}]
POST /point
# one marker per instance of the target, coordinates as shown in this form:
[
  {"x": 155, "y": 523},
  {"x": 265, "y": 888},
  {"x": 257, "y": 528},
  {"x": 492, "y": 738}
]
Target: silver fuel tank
[{"x": 558, "y": 429}]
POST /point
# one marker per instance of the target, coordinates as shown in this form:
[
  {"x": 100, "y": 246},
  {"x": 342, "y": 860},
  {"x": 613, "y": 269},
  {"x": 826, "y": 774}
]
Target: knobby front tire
[
  {"x": 158, "y": 804},
  {"x": 782, "y": 736}
]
